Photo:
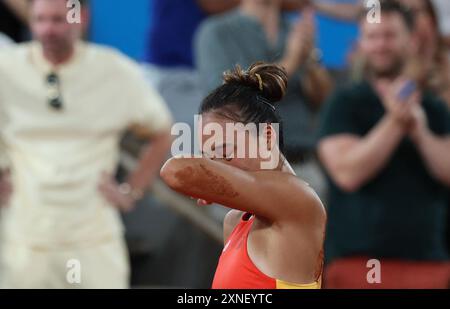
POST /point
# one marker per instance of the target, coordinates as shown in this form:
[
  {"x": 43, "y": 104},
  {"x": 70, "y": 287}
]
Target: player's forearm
[{"x": 201, "y": 178}]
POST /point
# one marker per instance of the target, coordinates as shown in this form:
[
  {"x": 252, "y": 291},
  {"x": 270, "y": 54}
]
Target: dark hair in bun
[
  {"x": 269, "y": 79},
  {"x": 248, "y": 96}
]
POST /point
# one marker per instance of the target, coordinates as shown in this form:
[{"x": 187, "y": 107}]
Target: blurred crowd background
[{"x": 182, "y": 47}]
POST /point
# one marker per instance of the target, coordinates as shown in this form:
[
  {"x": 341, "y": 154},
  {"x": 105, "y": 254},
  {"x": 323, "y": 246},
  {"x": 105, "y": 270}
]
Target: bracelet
[{"x": 126, "y": 189}]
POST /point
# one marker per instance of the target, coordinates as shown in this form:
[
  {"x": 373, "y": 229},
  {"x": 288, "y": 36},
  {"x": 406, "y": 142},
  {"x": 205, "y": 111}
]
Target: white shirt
[
  {"x": 5, "y": 40},
  {"x": 57, "y": 157}
]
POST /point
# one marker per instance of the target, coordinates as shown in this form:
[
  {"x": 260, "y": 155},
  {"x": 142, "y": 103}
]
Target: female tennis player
[{"x": 274, "y": 235}]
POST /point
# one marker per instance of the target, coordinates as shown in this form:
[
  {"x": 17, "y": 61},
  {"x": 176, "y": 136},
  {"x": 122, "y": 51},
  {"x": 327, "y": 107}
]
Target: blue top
[
  {"x": 172, "y": 31},
  {"x": 336, "y": 38}
]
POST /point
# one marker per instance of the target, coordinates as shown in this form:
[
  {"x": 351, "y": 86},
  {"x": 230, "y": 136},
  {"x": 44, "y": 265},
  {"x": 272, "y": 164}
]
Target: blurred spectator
[
  {"x": 385, "y": 149},
  {"x": 64, "y": 107},
  {"x": 432, "y": 54},
  {"x": 257, "y": 31},
  {"x": 431, "y": 63},
  {"x": 13, "y": 18},
  {"x": 169, "y": 64},
  {"x": 169, "y": 61},
  {"x": 174, "y": 25},
  {"x": 442, "y": 8}
]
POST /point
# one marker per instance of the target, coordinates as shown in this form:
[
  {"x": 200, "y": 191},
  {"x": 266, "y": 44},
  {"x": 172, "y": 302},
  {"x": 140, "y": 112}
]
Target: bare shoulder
[
  {"x": 295, "y": 198},
  {"x": 305, "y": 199},
  {"x": 231, "y": 220}
]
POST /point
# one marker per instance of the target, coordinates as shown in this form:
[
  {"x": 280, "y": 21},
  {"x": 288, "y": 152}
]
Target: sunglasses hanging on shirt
[{"x": 54, "y": 96}]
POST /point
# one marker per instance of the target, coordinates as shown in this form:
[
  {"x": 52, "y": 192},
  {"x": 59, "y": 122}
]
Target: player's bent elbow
[
  {"x": 315, "y": 206},
  {"x": 170, "y": 173}
]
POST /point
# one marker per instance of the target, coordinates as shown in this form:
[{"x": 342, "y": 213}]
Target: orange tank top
[{"x": 237, "y": 271}]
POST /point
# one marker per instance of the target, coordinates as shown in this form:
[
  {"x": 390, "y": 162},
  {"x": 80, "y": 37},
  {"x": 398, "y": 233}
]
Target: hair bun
[{"x": 270, "y": 79}]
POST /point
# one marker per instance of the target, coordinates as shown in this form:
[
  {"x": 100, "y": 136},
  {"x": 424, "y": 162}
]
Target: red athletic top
[{"x": 237, "y": 271}]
